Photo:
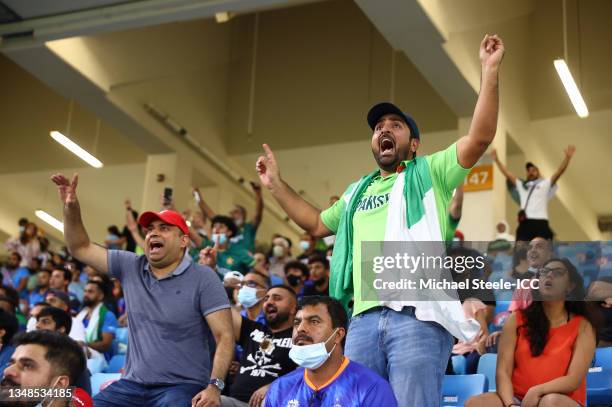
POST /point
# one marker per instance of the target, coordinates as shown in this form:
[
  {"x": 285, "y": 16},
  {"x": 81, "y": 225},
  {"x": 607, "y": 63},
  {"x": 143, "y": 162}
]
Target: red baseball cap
[{"x": 167, "y": 216}]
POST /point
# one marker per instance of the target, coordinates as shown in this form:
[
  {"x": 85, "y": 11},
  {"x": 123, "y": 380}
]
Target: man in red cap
[{"x": 174, "y": 306}]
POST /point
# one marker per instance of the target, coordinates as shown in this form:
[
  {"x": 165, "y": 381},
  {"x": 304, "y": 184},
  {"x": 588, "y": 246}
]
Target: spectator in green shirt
[
  {"x": 229, "y": 256},
  {"x": 245, "y": 231}
]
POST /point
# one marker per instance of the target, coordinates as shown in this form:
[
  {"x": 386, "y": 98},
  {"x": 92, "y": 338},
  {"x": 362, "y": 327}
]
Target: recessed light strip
[
  {"x": 571, "y": 88},
  {"x": 50, "y": 220},
  {"x": 76, "y": 149}
]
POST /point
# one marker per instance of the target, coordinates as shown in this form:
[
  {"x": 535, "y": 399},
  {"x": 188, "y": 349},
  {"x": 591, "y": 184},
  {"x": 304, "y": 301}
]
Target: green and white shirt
[{"x": 370, "y": 218}]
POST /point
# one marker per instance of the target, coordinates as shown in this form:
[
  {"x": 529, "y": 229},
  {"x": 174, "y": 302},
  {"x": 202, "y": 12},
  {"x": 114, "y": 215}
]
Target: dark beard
[
  {"x": 88, "y": 303},
  {"x": 280, "y": 319},
  {"x": 397, "y": 159}
]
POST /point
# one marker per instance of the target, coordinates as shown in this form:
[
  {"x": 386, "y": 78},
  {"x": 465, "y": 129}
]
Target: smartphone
[
  {"x": 167, "y": 196},
  {"x": 197, "y": 196}
]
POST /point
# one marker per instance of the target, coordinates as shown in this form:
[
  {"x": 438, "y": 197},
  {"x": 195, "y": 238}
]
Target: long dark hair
[{"x": 537, "y": 325}]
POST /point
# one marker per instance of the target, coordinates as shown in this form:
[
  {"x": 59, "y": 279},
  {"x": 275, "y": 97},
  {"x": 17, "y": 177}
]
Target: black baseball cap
[
  {"x": 381, "y": 109},
  {"x": 59, "y": 294}
]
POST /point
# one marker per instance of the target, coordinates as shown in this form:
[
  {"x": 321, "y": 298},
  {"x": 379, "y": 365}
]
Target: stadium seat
[
  {"x": 458, "y": 364},
  {"x": 96, "y": 365},
  {"x": 599, "y": 386},
  {"x": 486, "y": 366},
  {"x": 121, "y": 335},
  {"x": 100, "y": 381},
  {"x": 603, "y": 357},
  {"x": 456, "y": 389},
  {"x": 118, "y": 348},
  {"x": 116, "y": 363},
  {"x": 599, "y": 378}
]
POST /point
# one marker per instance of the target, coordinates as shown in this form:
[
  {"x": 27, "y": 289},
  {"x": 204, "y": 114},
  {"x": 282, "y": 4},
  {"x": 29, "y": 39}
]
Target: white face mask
[
  {"x": 311, "y": 356},
  {"x": 247, "y": 296},
  {"x": 31, "y": 325},
  {"x": 278, "y": 251}
]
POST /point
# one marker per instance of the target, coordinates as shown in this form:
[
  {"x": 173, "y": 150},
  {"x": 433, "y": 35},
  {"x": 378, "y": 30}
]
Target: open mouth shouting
[
  {"x": 386, "y": 145},
  {"x": 155, "y": 247},
  {"x": 271, "y": 311}
]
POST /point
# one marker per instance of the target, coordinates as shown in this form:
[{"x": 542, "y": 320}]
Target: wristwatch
[{"x": 220, "y": 384}]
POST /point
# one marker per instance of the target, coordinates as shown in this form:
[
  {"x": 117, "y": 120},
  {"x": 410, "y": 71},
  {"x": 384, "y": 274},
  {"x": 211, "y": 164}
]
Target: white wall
[{"x": 101, "y": 194}]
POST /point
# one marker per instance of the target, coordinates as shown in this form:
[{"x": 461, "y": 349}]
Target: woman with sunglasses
[{"x": 546, "y": 349}]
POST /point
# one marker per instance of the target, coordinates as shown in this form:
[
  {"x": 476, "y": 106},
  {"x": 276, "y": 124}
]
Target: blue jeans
[
  {"x": 411, "y": 354},
  {"x": 129, "y": 393}
]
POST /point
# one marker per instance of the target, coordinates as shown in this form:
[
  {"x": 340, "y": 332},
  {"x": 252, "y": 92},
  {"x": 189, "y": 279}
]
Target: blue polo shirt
[{"x": 168, "y": 335}]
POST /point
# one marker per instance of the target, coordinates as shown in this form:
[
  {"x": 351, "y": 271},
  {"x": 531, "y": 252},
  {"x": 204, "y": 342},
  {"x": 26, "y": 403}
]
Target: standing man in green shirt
[{"x": 413, "y": 341}]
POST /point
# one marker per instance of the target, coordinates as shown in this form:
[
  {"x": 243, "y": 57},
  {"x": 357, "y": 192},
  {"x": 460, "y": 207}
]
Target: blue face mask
[
  {"x": 247, "y": 296},
  {"x": 219, "y": 238},
  {"x": 311, "y": 356},
  {"x": 304, "y": 245}
]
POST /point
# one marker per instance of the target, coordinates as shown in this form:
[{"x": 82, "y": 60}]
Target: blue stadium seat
[
  {"x": 458, "y": 364},
  {"x": 599, "y": 378},
  {"x": 119, "y": 346},
  {"x": 599, "y": 386},
  {"x": 116, "y": 363},
  {"x": 456, "y": 389},
  {"x": 121, "y": 335},
  {"x": 99, "y": 380},
  {"x": 487, "y": 365},
  {"x": 96, "y": 365},
  {"x": 603, "y": 357}
]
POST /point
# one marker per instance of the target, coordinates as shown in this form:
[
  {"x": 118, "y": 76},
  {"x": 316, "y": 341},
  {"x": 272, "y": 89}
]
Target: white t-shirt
[{"x": 537, "y": 207}]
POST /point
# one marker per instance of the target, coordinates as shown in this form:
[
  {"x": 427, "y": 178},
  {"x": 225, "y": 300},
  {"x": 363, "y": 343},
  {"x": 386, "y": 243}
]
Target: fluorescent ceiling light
[
  {"x": 50, "y": 220},
  {"x": 76, "y": 149},
  {"x": 571, "y": 88},
  {"x": 223, "y": 16}
]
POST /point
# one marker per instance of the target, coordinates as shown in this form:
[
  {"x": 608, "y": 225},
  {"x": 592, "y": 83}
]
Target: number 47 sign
[{"x": 479, "y": 179}]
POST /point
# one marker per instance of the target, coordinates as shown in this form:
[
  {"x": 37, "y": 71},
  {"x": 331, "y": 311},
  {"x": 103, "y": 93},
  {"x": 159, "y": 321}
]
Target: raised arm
[
  {"x": 484, "y": 122},
  {"x": 207, "y": 212},
  {"x": 77, "y": 240},
  {"x": 509, "y": 176},
  {"x": 259, "y": 204},
  {"x": 301, "y": 212},
  {"x": 195, "y": 237},
  {"x": 569, "y": 153},
  {"x": 132, "y": 225}
]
